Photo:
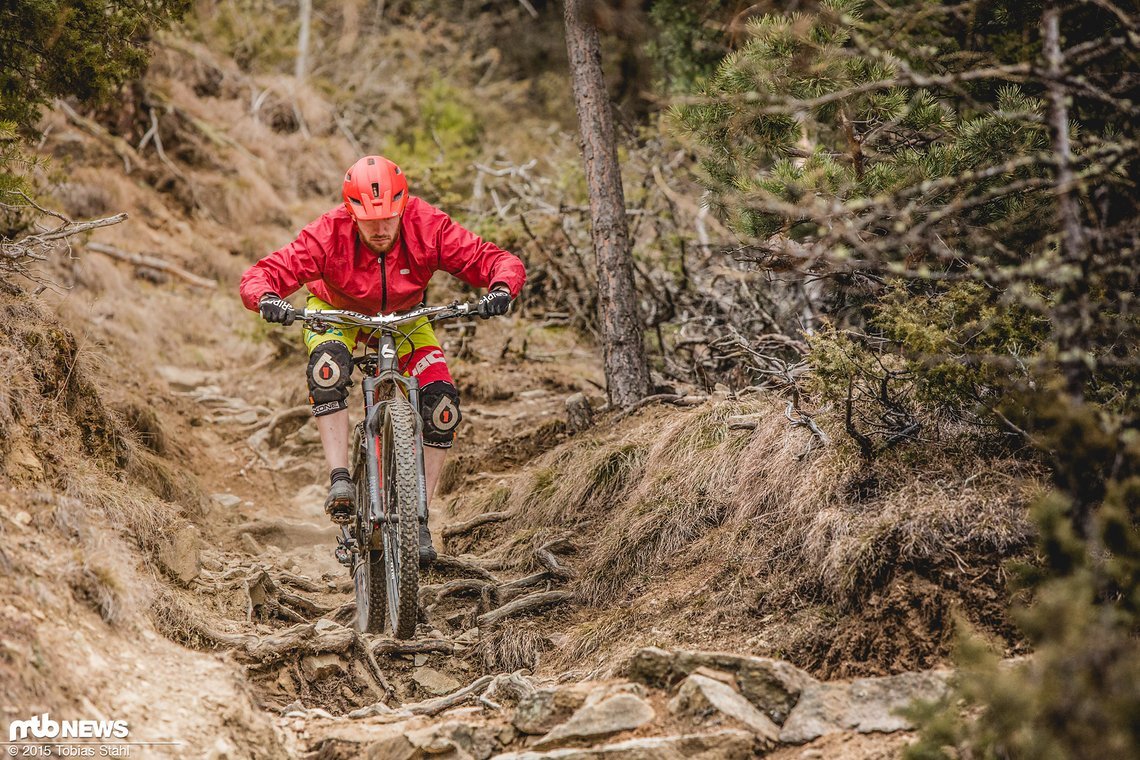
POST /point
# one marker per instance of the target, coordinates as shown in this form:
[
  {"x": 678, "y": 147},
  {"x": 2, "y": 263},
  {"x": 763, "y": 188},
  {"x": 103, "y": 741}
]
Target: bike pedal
[{"x": 341, "y": 516}]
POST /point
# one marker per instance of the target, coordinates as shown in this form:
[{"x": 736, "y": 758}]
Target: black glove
[
  {"x": 494, "y": 304},
  {"x": 274, "y": 308}
]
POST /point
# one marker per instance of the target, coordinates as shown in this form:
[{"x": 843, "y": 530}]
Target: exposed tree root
[
  {"x": 386, "y": 646},
  {"x": 528, "y": 603},
  {"x": 463, "y": 565},
  {"x": 458, "y": 529}
]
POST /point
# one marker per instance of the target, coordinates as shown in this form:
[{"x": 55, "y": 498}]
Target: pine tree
[{"x": 963, "y": 183}]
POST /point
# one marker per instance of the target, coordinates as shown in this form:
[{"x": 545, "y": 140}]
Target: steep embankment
[{"x": 164, "y": 477}]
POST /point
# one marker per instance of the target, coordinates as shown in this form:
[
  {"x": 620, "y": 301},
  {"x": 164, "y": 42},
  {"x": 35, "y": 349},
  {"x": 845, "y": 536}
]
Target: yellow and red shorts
[{"x": 418, "y": 354}]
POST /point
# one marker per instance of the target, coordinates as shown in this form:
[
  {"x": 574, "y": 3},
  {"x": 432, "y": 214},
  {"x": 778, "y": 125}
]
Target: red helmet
[{"x": 375, "y": 188}]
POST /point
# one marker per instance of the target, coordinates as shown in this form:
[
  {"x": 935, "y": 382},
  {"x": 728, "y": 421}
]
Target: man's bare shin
[
  {"x": 434, "y": 459},
  {"x": 334, "y": 438}
]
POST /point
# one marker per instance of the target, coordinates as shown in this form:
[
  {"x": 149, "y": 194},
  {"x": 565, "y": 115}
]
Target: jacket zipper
[{"x": 383, "y": 284}]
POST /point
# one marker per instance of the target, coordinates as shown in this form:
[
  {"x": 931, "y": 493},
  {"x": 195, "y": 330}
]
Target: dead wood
[
  {"x": 383, "y": 647},
  {"x": 298, "y": 602},
  {"x": 433, "y": 594},
  {"x": 299, "y": 640},
  {"x": 545, "y": 556},
  {"x": 458, "y": 529},
  {"x": 432, "y": 707},
  {"x": 151, "y": 262},
  {"x": 300, "y": 581},
  {"x": 463, "y": 565},
  {"x": 344, "y": 614},
  {"x": 514, "y": 589},
  {"x": 372, "y": 667},
  {"x": 528, "y": 603}
]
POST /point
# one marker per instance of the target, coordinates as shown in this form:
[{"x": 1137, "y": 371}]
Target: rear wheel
[
  {"x": 368, "y": 564},
  {"x": 401, "y": 528}
]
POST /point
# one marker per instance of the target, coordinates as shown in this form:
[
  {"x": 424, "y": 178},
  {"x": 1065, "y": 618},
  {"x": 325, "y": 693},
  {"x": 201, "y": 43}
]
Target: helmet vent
[
  {"x": 372, "y": 162},
  {"x": 375, "y": 189},
  {"x": 397, "y": 196}
]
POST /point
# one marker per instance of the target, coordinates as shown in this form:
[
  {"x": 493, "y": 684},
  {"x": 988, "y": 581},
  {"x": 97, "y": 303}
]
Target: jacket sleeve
[
  {"x": 285, "y": 270},
  {"x": 474, "y": 260}
]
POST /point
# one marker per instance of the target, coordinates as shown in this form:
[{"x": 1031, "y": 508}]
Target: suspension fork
[{"x": 388, "y": 371}]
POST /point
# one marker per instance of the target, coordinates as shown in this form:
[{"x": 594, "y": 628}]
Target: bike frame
[{"x": 381, "y": 370}]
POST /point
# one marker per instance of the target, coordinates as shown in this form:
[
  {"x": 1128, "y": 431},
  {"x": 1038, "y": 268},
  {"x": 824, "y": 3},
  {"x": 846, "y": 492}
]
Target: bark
[
  {"x": 1075, "y": 298},
  {"x": 627, "y": 374},
  {"x": 301, "y": 65}
]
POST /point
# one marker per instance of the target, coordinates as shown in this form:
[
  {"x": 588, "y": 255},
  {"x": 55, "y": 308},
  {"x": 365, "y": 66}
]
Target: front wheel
[
  {"x": 367, "y": 563},
  {"x": 401, "y": 484}
]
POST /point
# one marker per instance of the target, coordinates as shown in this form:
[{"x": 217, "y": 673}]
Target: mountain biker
[{"x": 374, "y": 254}]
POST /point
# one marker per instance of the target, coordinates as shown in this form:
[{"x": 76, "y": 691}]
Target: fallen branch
[
  {"x": 458, "y": 529},
  {"x": 432, "y": 707},
  {"x": 667, "y": 398},
  {"x": 805, "y": 420},
  {"x": 151, "y": 262},
  {"x": 528, "y": 603}
]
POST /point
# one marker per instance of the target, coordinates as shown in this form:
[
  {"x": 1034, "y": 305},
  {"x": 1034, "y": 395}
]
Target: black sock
[{"x": 340, "y": 473}]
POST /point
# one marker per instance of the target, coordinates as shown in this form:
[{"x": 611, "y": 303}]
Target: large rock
[
  {"x": 543, "y": 709},
  {"x": 180, "y": 553},
  {"x": 434, "y": 682},
  {"x": 719, "y": 745},
  {"x": 865, "y": 705},
  {"x": 705, "y": 697},
  {"x": 319, "y": 666},
  {"x": 773, "y": 686},
  {"x": 458, "y": 739},
  {"x": 620, "y": 712}
]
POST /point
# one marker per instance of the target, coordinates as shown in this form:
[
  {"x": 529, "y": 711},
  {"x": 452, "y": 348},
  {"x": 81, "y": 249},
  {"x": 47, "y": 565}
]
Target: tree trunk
[
  {"x": 301, "y": 65},
  {"x": 1074, "y": 304},
  {"x": 627, "y": 374}
]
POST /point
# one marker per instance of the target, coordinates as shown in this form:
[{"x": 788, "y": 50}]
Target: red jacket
[{"x": 329, "y": 257}]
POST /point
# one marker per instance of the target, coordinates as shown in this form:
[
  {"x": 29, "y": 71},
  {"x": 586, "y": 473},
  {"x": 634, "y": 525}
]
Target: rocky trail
[{"x": 260, "y": 584}]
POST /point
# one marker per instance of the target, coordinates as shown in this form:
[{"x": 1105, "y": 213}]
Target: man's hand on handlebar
[
  {"x": 274, "y": 308},
  {"x": 494, "y": 304}
]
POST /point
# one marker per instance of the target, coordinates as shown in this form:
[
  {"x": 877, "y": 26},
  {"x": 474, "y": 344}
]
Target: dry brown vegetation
[{"x": 727, "y": 525}]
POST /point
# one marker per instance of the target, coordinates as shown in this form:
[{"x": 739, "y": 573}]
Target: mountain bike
[{"x": 380, "y": 545}]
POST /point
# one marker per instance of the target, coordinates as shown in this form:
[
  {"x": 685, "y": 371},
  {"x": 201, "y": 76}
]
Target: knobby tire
[
  {"x": 401, "y": 481},
  {"x": 368, "y": 577}
]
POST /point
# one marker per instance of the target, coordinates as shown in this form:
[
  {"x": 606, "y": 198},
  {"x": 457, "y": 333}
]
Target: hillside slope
[{"x": 162, "y": 519}]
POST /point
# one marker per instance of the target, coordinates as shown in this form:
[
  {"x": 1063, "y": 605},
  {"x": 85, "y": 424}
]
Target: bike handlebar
[{"x": 345, "y": 318}]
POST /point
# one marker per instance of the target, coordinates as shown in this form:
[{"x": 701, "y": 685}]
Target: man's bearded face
[{"x": 379, "y": 235}]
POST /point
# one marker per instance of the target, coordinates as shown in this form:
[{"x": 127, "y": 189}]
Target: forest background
[{"x": 915, "y": 220}]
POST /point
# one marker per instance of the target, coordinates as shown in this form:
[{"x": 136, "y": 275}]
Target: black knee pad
[
  {"x": 439, "y": 407},
  {"x": 329, "y": 376}
]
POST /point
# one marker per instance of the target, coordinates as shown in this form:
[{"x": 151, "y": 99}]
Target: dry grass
[
  {"x": 751, "y": 522},
  {"x": 511, "y": 648}
]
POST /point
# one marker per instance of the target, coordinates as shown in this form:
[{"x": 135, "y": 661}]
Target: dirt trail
[{"x": 270, "y": 589}]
